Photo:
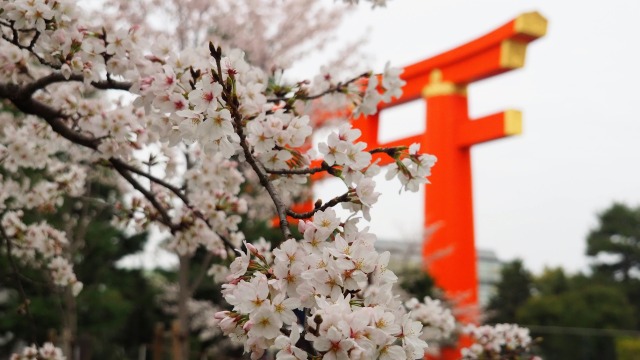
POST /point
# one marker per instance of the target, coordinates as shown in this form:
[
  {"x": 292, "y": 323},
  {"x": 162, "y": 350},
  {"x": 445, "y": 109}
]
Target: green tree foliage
[
  {"x": 553, "y": 281},
  {"x": 417, "y": 283},
  {"x": 113, "y": 315},
  {"x": 628, "y": 348},
  {"x": 566, "y": 316},
  {"x": 578, "y": 315},
  {"x": 513, "y": 290},
  {"x": 617, "y": 234}
]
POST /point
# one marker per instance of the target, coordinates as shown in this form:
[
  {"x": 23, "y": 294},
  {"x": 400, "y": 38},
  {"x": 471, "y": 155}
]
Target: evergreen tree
[
  {"x": 617, "y": 234},
  {"x": 573, "y": 322},
  {"x": 618, "y": 237},
  {"x": 513, "y": 290}
]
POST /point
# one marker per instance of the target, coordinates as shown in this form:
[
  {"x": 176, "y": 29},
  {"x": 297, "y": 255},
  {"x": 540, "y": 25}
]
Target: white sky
[{"x": 535, "y": 195}]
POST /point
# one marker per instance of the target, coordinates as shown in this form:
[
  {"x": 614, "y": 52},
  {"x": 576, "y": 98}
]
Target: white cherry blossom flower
[
  {"x": 289, "y": 351},
  {"x": 265, "y": 323}
]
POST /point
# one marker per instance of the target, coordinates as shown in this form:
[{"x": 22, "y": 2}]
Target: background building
[{"x": 408, "y": 255}]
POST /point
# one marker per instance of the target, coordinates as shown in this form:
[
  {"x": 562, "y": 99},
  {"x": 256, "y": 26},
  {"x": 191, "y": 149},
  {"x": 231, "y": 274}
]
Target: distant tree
[
  {"x": 513, "y": 290},
  {"x": 564, "y": 303},
  {"x": 417, "y": 283},
  {"x": 552, "y": 281},
  {"x": 618, "y": 235}
]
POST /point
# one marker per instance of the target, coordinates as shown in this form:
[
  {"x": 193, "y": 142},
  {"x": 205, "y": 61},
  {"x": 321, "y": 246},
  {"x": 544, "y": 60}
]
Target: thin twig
[
  {"x": 166, "y": 219},
  {"x": 16, "y": 41},
  {"x": 339, "y": 87},
  {"x": 333, "y": 202},
  {"x": 174, "y": 189},
  {"x": 309, "y": 171},
  {"x": 281, "y": 209},
  {"x": 232, "y": 101},
  {"x": 391, "y": 151}
]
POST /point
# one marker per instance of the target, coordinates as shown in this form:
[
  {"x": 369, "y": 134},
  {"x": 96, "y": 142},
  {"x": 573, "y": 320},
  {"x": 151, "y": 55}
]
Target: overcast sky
[{"x": 536, "y": 195}]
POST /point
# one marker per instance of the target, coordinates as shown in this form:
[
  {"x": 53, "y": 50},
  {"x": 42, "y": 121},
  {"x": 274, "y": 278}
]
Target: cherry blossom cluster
[
  {"x": 39, "y": 244},
  {"x": 438, "y": 320},
  {"x": 412, "y": 170},
  {"x": 500, "y": 341},
  {"x": 46, "y": 352},
  {"x": 218, "y": 182},
  {"x": 330, "y": 285},
  {"x": 30, "y": 144}
]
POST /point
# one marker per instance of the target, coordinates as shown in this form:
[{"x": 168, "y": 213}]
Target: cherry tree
[
  {"x": 203, "y": 122},
  {"x": 273, "y": 34},
  {"x": 267, "y": 31}
]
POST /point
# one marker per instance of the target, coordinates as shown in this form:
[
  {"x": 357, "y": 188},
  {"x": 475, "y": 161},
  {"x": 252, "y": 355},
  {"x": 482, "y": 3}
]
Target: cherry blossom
[
  {"x": 498, "y": 340},
  {"x": 183, "y": 131},
  {"x": 47, "y": 352}
]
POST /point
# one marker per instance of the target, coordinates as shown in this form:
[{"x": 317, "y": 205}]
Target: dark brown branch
[
  {"x": 16, "y": 41},
  {"x": 22, "y": 99},
  {"x": 33, "y": 41},
  {"x": 309, "y": 171},
  {"x": 339, "y": 87},
  {"x": 281, "y": 209},
  {"x": 57, "y": 77},
  {"x": 231, "y": 99},
  {"x": 120, "y": 165},
  {"x": 133, "y": 169},
  {"x": 333, "y": 202},
  {"x": 391, "y": 151},
  {"x": 166, "y": 219},
  {"x": 54, "y": 117}
]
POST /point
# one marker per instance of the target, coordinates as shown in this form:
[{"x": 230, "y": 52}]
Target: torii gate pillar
[{"x": 442, "y": 81}]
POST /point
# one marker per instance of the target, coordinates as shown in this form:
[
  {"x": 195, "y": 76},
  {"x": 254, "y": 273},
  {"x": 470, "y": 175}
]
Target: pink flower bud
[
  {"x": 247, "y": 326},
  {"x": 220, "y": 315},
  {"x": 302, "y": 226},
  {"x": 251, "y": 248}
]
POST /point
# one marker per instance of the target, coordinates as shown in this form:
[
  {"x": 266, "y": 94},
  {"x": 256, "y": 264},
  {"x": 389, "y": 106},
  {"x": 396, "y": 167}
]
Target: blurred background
[{"x": 557, "y": 208}]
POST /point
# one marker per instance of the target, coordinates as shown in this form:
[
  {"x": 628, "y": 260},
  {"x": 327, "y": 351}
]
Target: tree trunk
[
  {"x": 69, "y": 325},
  {"x": 183, "y": 312}
]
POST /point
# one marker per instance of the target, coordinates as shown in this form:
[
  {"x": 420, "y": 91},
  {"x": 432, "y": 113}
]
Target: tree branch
[
  {"x": 264, "y": 181},
  {"x": 174, "y": 189},
  {"x": 166, "y": 219},
  {"x": 54, "y": 117},
  {"x": 339, "y": 87},
  {"x": 58, "y": 77},
  {"x": 333, "y": 202},
  {"x": 308, "y": 171}
]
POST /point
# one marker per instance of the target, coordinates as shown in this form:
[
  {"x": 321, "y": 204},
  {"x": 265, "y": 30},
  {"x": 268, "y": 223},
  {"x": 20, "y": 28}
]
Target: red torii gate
[{"x": 442, "y": 81}]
